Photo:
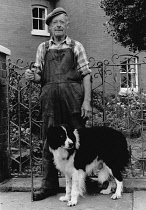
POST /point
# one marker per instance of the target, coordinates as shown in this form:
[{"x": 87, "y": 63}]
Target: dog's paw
[
  {"x": 116, "y": 196},
  {"x": 72, "y": 202},
  {"x": 106, "y": 192},
  {"x": 64, "y": 198}
]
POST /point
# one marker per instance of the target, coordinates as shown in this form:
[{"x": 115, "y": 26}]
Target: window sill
[
  {"x": 127, "y": 91},
  {"x": 39, "y": 33}
]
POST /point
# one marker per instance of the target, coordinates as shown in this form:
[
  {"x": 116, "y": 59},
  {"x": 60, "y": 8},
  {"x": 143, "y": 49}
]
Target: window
[
  {"x": 39, "y": 27},
  {"x": 129, "y": 74}
]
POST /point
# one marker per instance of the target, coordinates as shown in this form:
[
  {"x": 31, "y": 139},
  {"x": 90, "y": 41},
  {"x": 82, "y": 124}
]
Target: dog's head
[{"x": 62, "y": 136}]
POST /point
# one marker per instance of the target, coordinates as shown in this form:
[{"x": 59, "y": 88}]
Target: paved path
[
  {"x": 22, "y": 201},
  {"x": 139, "y": 200},
  {"x": 15, "y": 195}
]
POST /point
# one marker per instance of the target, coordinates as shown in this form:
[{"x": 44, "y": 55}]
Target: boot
[{"x": 43, "y": 193}]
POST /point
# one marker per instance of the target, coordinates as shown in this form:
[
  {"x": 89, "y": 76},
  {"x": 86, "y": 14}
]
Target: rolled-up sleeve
[
  {"x": 39, "y": 61},
  {"x": 82, "y": 61}
]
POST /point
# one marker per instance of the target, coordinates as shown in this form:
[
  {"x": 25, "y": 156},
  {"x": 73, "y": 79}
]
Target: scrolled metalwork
[{"x": 20, "y": 118}]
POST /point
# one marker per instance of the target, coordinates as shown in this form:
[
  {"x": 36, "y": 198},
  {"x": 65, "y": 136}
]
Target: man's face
[{"x": 59, "y": 25}]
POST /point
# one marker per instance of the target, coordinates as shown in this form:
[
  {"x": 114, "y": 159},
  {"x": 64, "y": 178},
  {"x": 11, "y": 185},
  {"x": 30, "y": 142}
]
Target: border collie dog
[{"x": 82, "y": 152}]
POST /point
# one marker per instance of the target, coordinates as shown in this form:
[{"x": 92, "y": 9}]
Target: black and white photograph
[{"x": 73, "y": 104}]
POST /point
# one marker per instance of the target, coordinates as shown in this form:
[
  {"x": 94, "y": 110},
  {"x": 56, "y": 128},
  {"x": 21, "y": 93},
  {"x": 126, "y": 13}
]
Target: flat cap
[{"x": 55, "y": 12}]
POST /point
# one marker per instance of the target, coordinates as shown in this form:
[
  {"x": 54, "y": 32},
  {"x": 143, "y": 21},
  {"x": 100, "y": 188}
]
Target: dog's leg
[
  {"x": 78, "y": 186},
  {"x": 119, "y": 189},
  {"x": 67, "y": 196}
]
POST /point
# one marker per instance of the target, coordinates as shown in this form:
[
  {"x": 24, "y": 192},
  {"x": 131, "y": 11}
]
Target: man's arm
[
  {"x": 34, "y": 73},
  {"x": 86, "y": 106},
  {"x": 87, "y": 87}
]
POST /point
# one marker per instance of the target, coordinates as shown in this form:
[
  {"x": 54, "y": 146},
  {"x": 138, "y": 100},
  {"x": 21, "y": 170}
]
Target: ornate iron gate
[
  {"x": 118, "y": 101},
  {"x": 125, "y": 111},
  {"x": 24, "y": 117}
]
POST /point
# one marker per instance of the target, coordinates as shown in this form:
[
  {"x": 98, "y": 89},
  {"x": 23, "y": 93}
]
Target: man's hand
[
  {"x": 32, "y": 75},
  {"x": 29, "y": 74},
  {"x": 86, "y": 110}
]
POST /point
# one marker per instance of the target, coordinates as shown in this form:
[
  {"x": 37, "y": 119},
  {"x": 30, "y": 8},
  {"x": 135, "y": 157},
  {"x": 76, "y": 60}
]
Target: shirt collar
[{"x": 67, "y": 41}]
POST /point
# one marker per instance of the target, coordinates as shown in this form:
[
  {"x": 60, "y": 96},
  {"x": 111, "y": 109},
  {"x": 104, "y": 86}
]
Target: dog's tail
[{"x": 104, "y": 174}]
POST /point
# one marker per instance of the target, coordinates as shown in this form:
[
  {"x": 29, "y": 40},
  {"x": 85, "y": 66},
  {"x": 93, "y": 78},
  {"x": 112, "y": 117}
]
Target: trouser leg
[{"x": 50, "y": 173}]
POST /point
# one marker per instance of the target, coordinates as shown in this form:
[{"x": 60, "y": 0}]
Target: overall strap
[{"x": 72, "y": 45}]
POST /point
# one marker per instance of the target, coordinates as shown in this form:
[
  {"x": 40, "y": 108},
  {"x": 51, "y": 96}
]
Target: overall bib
[{"x": 61, "y": 98}]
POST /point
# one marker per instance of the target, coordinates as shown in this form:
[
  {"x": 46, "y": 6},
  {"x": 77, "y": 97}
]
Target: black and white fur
[{"x": 80, "y": 152}]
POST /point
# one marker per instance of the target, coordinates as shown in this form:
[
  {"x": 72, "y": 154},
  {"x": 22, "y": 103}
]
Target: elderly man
[{"x": 61, "y": 67}]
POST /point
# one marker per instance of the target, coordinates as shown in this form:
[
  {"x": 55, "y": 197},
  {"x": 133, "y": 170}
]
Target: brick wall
[
  {"x": 4, "y": 156},
  {"x": 16, "y": 26}
]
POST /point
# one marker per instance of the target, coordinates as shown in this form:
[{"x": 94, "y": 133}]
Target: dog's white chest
[{"x": 62, "y": 160}]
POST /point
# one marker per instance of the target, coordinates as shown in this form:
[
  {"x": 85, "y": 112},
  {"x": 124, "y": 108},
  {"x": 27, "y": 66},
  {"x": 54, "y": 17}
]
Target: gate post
[{"x": 4, "y": 154}]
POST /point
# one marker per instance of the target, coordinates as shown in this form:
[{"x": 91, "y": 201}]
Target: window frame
[
  {"x": 39, "y": 32},
  {"x": 131, "y": 65}
]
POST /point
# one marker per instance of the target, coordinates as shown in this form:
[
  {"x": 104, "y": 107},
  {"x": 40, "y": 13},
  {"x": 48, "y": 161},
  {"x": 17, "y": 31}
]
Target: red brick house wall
[{"x": 15, "y": 27}]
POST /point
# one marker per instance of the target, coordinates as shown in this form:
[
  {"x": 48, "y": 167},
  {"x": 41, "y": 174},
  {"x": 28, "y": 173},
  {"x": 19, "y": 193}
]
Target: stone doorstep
[{"x": 24, "y": 184}]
